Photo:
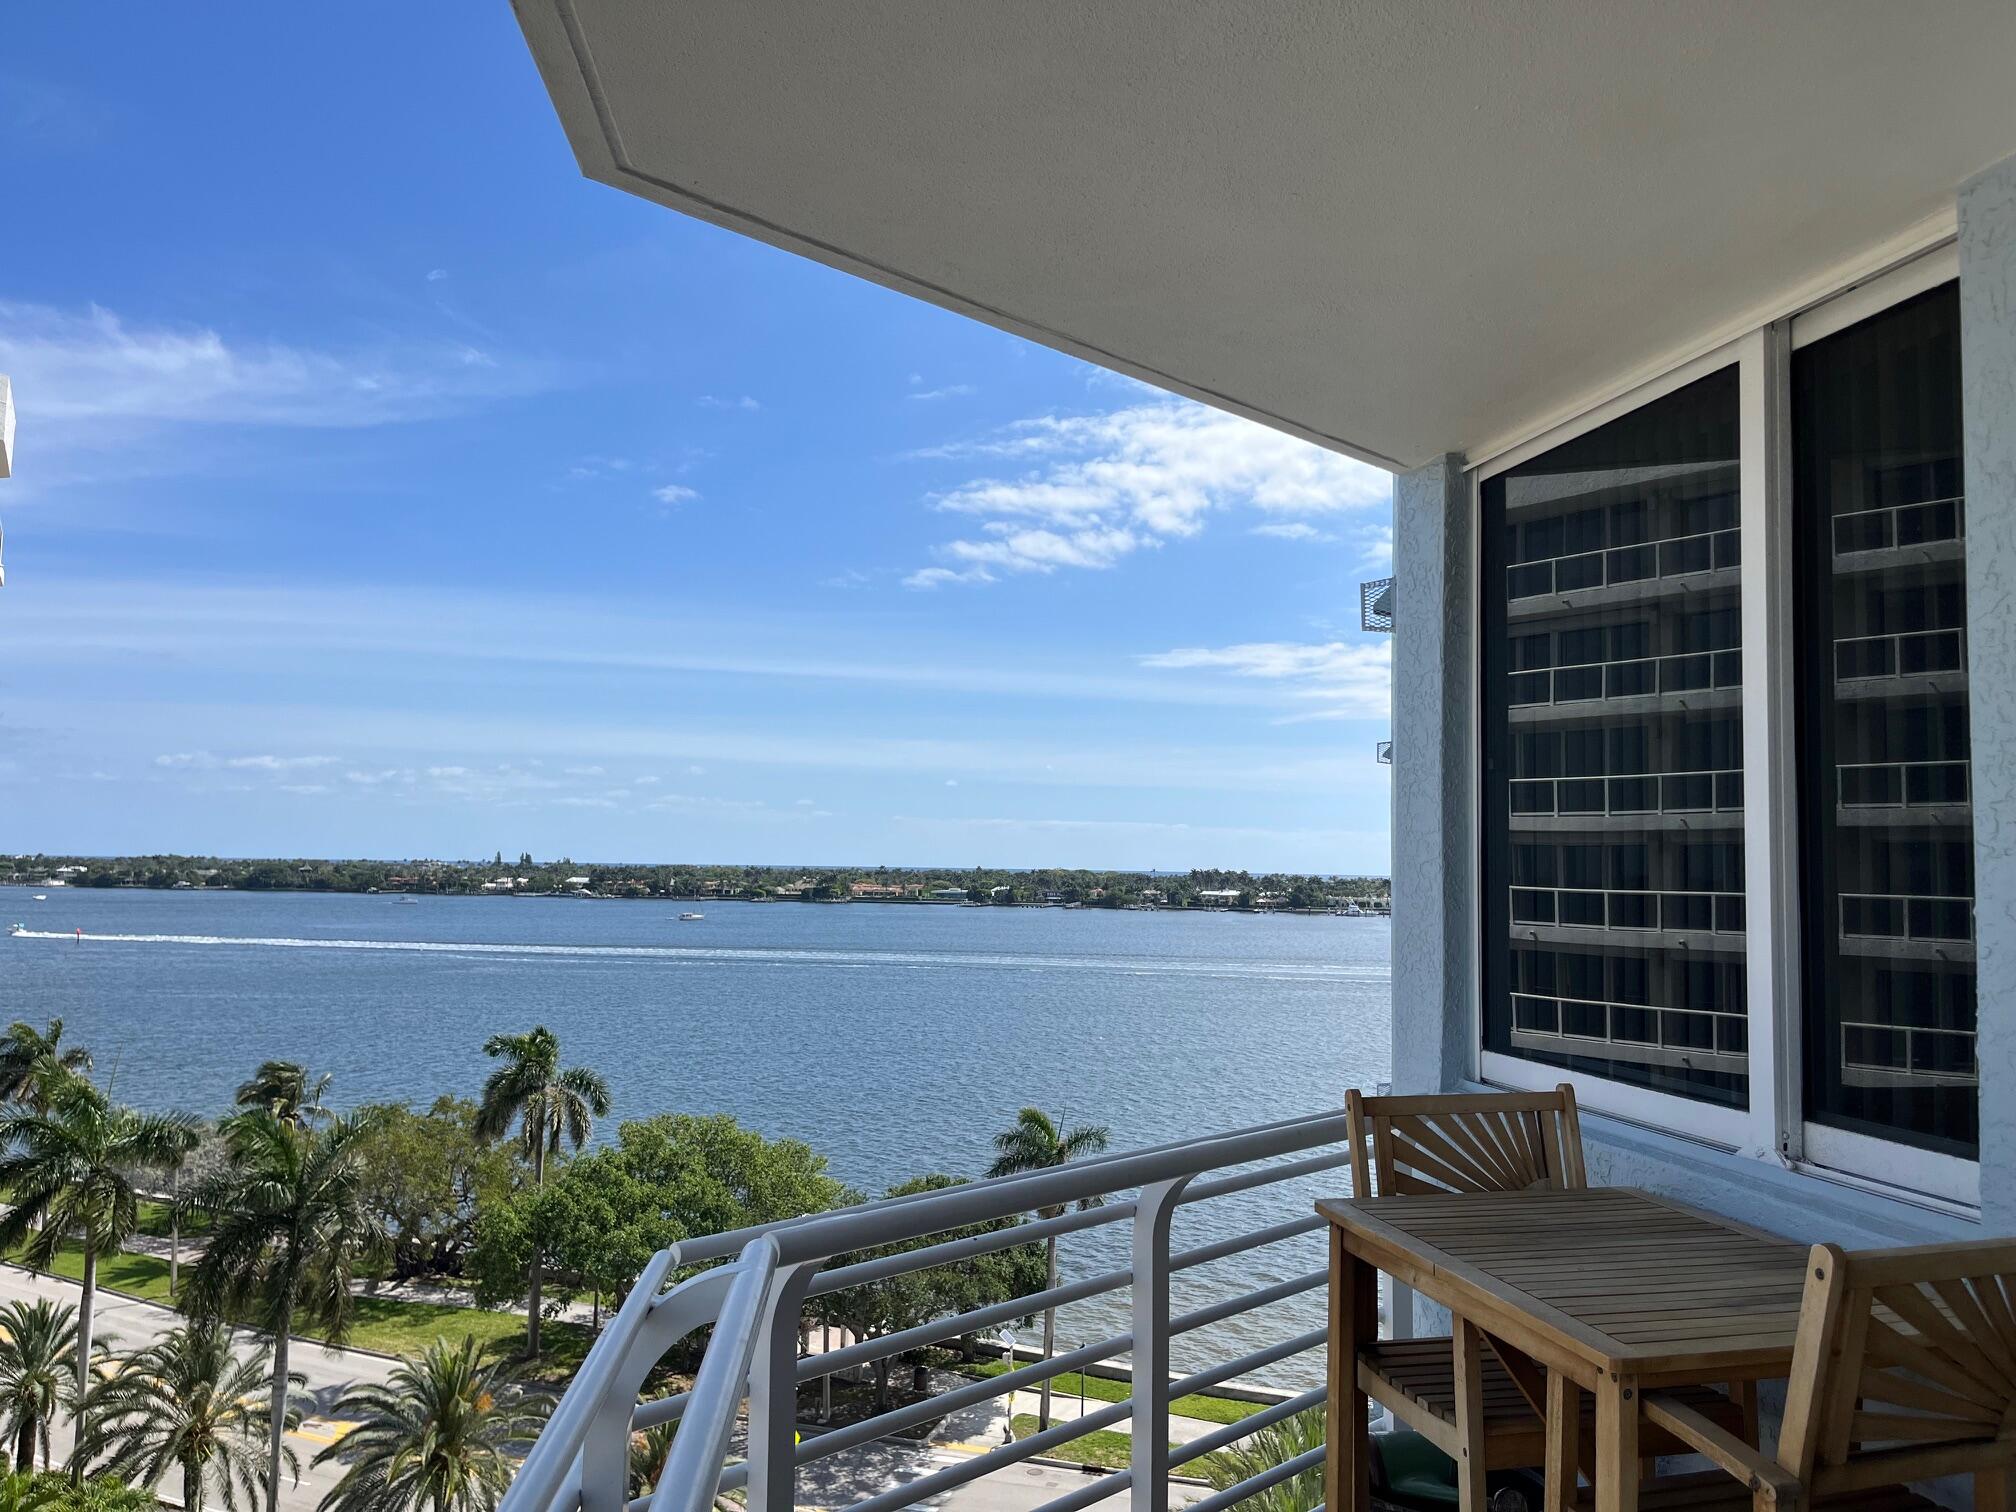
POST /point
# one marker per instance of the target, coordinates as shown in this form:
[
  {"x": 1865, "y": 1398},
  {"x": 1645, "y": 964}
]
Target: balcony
[
  {"x": 1624, "y": 574},
  {"x": 1648, "y": 800},
  {"x": 752, "y": 1288},
  {"x": 1635, "y": 685},
  {"x": 1697, "y": 1039},
  {"x": 1628, "y": 916}
]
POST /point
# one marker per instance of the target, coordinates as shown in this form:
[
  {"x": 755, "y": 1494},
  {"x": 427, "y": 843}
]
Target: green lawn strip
[
  {"x": 385, "y": 1324},
  {"x": 1205, "y": 1409},
  {"x": 1107, "y": 1450},
  {"x": 154, "y": 1221}
]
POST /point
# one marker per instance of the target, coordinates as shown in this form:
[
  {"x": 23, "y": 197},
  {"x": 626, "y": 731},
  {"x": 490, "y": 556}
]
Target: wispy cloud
[
  {"x": 92, "y": 366},
  {"x": 675, "y": 493},
  {"x": 1292, "y": 530},
  {"x": 1095, "y": 489},
  {"x": 1338, "y": 679},
  {"x": 205, "y": 761},
  {"x": 947, "y": 391},
  {"x": 744, "y": 402}
]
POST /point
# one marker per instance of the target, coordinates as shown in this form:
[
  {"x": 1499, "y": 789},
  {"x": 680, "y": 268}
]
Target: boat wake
[{"x": 704, "y": 955}]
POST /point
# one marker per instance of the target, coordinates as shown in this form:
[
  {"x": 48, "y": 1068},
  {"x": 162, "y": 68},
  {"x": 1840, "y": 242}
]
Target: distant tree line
[{"x": 527, "y": 877}]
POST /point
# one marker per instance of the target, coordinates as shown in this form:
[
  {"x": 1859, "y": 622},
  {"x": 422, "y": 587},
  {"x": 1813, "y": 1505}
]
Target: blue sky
[{"x": 383, "y": 487}]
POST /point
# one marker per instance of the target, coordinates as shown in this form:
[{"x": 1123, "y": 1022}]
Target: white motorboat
[
  {"x": 691, "y": 918},
  {"x": 408, "y": 898},
  {"x": 41, "y": 897}
]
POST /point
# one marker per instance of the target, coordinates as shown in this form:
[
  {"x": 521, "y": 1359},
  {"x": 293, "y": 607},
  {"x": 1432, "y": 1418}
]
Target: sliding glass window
[
  {"x": 1613, "y": 751},
  {"x": 1887, "y": 832}
]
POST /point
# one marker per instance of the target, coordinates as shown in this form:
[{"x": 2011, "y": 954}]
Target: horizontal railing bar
[
  {"x": 871, "y": 1429},
  {"x": 956, "y": 1251},
  {"x": 985, "y": 1201},
  {"x": 1219, "y": 1374},
  {"x": 1231, "y": 1433},
  {"x": 1231, "y": 1307},
  {"x": 1253, "y": 1485},
  {"x": 719, "y": 1246},
  {"x": 811, "y": 1367},
  {"x": 1084, "y": 1496},
  {"x": 1245, "y": 1181},
  {"x": 954, "y": 1476},
  {"x": 664, "y": 1410}
]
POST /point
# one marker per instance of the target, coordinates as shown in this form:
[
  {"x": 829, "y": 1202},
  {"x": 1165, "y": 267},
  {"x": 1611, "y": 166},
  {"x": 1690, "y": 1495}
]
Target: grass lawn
[
  {"x": 154, "y": 1220},
  {"x": 380, "y": 1323},
  {"x": 1107, "y": 1450},
  {"x": 1207, "y": 1409}
]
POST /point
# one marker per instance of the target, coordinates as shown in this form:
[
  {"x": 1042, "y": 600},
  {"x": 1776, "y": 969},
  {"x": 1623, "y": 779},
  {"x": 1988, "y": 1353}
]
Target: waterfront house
[{"x": 1689, "y": 335}]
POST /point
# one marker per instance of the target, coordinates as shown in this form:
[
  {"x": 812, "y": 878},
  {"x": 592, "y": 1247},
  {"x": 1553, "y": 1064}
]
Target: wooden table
[{"x": 1609, "y": 1289}]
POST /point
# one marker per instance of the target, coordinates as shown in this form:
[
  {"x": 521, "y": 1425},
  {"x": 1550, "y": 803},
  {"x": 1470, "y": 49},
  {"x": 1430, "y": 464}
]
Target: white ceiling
[{"x": 1398, "y": 227}]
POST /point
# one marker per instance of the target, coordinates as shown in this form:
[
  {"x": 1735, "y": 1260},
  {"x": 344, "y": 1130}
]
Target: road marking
[{"x": 325, "y": 1430}]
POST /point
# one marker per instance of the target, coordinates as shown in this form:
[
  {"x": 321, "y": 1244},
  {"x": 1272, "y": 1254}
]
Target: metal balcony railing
[
  {"x": 1630, "y": 1031},
  {"x": 1905, "y": 784},
  {"x": 760, "y": 1280},
  {"x": 1635, "y": 677},
  {"x": 1889, "y": 525},
  {"x": 1628, "y": 908},
  {"x": 1711, "y": 792},
  {"x": 1611, "y": 566},
  {"x": 1908, "y": 653},
  {"x": 1907, "y": 916},
  {"x": 1902, "y": 1055}
]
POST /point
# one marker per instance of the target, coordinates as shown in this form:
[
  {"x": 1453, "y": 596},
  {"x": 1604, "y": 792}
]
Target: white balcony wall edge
[{"x": 1988, "y": 418}]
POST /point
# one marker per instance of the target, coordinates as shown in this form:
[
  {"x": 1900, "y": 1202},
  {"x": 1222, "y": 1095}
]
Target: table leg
[
  {"x": 1354, "y": 1320},
  {"x": 1744, "y": 1395},
  {"x": 1469, "y": 1384},
  {"x": 1616, "y": 1443},
  {"x": 1564, "y": 1433}
]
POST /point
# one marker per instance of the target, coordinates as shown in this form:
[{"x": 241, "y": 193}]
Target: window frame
[{"x": 1774, "y": 1124}]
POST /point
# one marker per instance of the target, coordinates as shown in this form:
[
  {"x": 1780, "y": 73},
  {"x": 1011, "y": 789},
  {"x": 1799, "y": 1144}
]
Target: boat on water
[
  {"x": 407, "y": 898},
  {"x": 41, "y": 897},
  {"x": 15, "y": 929},
  {"x": 690, "y": 918},
  {"x": 1353, "y": 911}
]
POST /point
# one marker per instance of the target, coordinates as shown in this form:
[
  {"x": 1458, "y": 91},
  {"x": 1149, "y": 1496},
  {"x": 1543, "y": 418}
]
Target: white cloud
[
  {"x": 196, "y": 759},
  {"x": 675, "y": 493},
  {"x": 1100, "y": 487},
  {"x": 743, "y": 402},
  {"x": 1339, "y": 680},
  {"x": 1292, "y": 530},
  {"x": 949, "y": 391},
  {"x": 435, "y": 275},
  {"x": 282, "y": 763},
  {"x": 92, "y": 367},
  {"x": 303, "y": 789},
  {"x": 1378, "y": 545}
]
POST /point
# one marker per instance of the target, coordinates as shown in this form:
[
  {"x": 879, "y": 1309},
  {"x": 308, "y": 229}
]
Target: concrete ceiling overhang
[{"x": 1394, "y": 227}]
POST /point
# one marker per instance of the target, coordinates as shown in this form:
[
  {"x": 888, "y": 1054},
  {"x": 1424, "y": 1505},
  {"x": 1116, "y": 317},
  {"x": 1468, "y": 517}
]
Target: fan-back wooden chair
[
  {"x": 1904, "y": 1369},
  {"x": 1469, "y": 1389}
]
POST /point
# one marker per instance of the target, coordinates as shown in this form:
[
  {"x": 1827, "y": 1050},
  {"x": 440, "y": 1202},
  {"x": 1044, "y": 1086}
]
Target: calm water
[{"x": 893, "y": 1039}]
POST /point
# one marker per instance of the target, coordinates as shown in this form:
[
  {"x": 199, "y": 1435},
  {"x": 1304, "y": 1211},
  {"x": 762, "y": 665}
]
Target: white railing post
[
  {"x": 773, "y": 1394},
  {"x": 1150, "y": 1453}
]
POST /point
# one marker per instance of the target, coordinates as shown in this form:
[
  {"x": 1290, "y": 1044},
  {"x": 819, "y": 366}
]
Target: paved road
[{"x": 128, "y": 1325}]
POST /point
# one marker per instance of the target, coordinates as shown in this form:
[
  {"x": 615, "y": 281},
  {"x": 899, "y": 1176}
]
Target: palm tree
[
  {"x": 284, "y": 1089},
  {"x": 36, "y": 1342},
  {"x": 1035, "y": 1143},
  {"x": 33, "y": 1061},
  {"x": 189, "y": 1402},
  {"x": 69, "y": 1173},
  {"x": 648, "y": 1449},
  {"x": 289, "y": 1221},
  {"x": 435, "y": 1438},
  {"x": 1276, "y": 1444},
  {"x": 546, "y": 1103}
]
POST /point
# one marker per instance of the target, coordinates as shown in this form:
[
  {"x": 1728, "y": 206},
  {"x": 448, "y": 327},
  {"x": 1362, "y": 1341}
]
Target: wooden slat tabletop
[{"x": 1617, "y": 1277}]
